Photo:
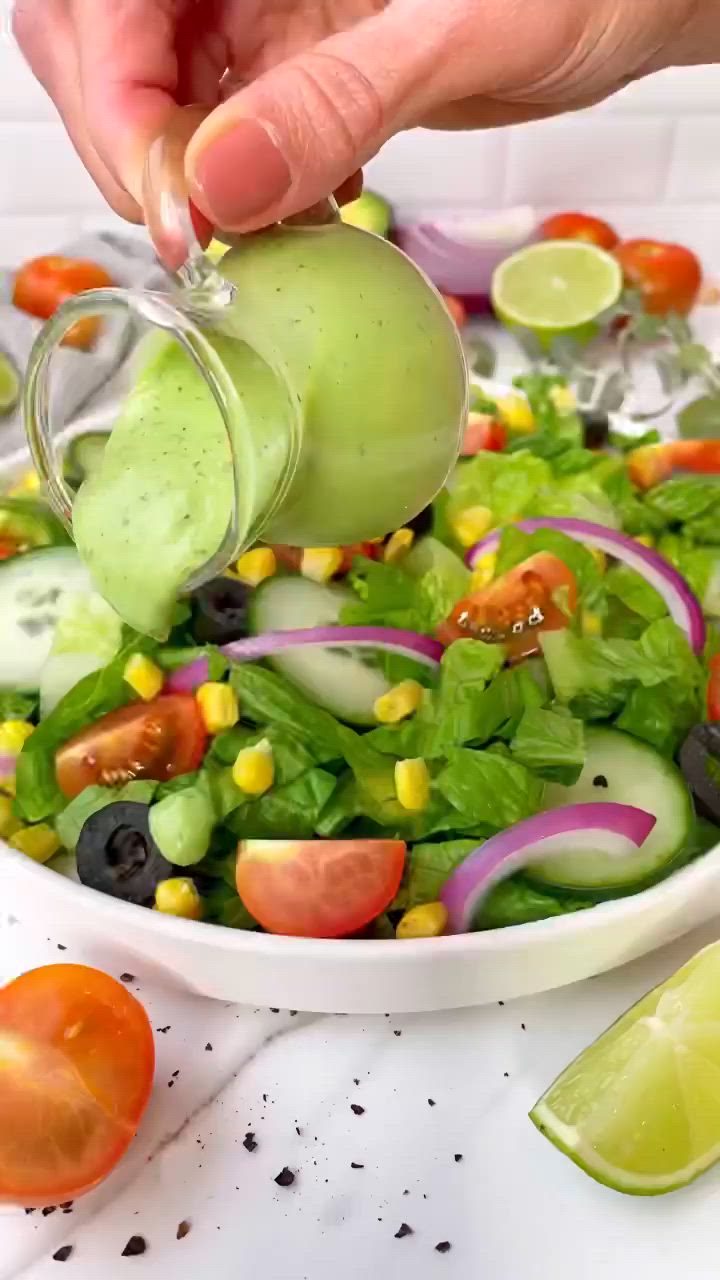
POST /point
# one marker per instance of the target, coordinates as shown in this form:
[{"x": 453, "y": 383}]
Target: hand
[{"x": 317, "y": 86}]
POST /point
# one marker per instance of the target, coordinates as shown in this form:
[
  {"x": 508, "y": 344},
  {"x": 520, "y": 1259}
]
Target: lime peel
[{"x": 639, "y": 1110}]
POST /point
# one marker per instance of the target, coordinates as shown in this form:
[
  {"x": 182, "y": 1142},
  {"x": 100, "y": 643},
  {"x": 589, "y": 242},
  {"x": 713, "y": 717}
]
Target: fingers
[
  {"x": 129, "y": 74},
  {"x": 284, "y": 141},
  {"x": 47, "y": 41}
]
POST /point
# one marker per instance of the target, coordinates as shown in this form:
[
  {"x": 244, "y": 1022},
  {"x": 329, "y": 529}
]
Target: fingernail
[{"x": 240, "y": 174}]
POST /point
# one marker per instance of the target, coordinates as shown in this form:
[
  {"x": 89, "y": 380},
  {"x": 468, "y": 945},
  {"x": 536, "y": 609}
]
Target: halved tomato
[
  {"x": 318, "y": 888},
  {"x": 159, "y": 739},
  {"x": 713, "y": 689},
  {"x": 540, "y": 594},
  {"x": 76, "y": 1068}
]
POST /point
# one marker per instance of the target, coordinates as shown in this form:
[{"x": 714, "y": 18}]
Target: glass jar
[{"x": 309, "y": 388}]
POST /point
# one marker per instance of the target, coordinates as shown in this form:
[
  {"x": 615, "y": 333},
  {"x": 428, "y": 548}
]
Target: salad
[{"x": 503, "y": 712}]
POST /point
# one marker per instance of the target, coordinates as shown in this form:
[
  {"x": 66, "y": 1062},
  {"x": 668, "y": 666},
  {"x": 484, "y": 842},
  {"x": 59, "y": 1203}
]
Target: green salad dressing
[{"x": 350, "y": 397}]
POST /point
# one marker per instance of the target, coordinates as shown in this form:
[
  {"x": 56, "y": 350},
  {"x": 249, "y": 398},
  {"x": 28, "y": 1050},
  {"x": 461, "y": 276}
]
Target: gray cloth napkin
[{"x": 84, "y": 384}]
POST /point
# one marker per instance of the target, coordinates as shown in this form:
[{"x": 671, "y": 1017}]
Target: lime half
[
  {"x": 557, "y": 287},
  {"x": 640, "y": 1109},
  {"x": 9, "y": 385}
]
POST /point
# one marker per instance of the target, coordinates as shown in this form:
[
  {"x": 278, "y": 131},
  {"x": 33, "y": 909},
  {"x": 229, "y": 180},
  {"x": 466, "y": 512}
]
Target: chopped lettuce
[
  {"x": 428, "y": 867},
  {"x": 38, "y": 795},
  {"x": 291, "y": 812},
  {"x": 489, "y": 790},
  {"x": 551, "y": 744},
  {"x": 71, "y": 821},
  {"x": 515, "y": 901},
  {"x": 635, "y": 592},
  {"x": 686, "y": 498}
]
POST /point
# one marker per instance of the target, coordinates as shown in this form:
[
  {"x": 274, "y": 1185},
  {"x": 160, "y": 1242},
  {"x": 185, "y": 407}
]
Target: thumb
[{"x": 299, "y": 131}]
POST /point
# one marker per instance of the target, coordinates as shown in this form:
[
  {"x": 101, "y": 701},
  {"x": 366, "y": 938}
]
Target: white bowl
[
  {"x": 338, "y": 976},
  {"x": 330, "y": 976}
]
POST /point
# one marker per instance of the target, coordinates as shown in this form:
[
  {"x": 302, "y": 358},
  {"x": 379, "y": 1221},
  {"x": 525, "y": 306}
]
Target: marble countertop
[{"x": 433, "y": 1088}]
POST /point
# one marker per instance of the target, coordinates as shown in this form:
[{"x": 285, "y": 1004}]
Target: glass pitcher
[{"x": 309, "y": 388}]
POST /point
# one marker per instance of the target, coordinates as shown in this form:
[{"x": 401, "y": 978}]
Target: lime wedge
[
  {"x": 640, "y": 1109},
  {"x": 557, "y": 287},
  {"x": 9, "y": 385}
]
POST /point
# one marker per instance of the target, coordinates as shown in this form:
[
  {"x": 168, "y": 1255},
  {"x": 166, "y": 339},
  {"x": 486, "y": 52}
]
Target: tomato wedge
[
  {"x": 540, "y": 594},
  {"x": 318, "y": 888},
  {"x": 159, "y": 739},
  {"x": 76, "y": 1068},
  {"x": 713, "y": 689}
]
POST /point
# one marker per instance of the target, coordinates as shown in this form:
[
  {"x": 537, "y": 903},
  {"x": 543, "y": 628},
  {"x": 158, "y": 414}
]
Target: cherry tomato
[
  {"x": 540, "y": 594},
  {"x": 318, "y": 888},
  {"x": 76, "y": 1069},
  {"x": 456, "y": 308},
  {"x": 579, "y": 226},
  {"x": 483, "y": 432},
  {"x": 159, "y": 739},
  {"x": 668, "y": 276},
  {"x": 43, "y": 283},
  {"x": 713, "y": 689}
]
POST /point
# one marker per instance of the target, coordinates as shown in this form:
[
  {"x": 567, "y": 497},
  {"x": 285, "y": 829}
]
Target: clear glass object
[{"x": 332, "y": 370}]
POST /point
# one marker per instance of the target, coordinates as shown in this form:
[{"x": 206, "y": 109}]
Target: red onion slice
[
  {"x": 616, "y": 829},
  {"x": 684, "y": 607},
  {"x": 408, "y": 643},
  {"x": 460, "y": 252}
]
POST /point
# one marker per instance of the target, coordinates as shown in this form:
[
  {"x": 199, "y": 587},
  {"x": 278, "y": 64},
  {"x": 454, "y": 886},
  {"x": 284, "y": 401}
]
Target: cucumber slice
[
  {"x": 83, "y": 455},
  {"x": 347, "y": 683},
  {"x": 623, "y": 770},
  {"x": 34, "y": 590}
]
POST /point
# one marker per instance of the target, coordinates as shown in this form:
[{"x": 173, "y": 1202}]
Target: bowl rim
[{"x": 566, "y": 928}]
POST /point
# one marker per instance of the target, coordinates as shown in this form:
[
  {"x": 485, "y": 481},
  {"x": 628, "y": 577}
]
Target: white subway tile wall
[{"x": 649, "y": 158}]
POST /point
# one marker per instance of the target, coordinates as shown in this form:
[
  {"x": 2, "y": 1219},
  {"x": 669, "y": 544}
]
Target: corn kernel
[
  {"x": 484, "y": 571},
  {"x": 412, "y": 784},
  {"x": 564, "y": 399},
  {"x": 7, "y": 786},
  {"x": 39, "y": 843},
  {"x": 399, "y": 702},
  {"x": 599, "y": 557},
  {"x": 516, "y": 414},
  {"x": 398, "y": 545},
  {"x": 321, "y": 563},
  {"x": 256, "y": 565},
  {"x": 29, "y": 483},
  {"x": 645, "y": 540},
  {"x": 179, "y": 897},
  {"x": 143, "y": 676},
  {"x": 426, "y": 921},
  {"x": 254, "y": 769},
  {"x": 591, "y": 623},
  {"x": 13, "y": 736},
  {"x": 218, "y": 705},
  {"x": 9, "y": 824},
  {"x": 470, "y": 525}
]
